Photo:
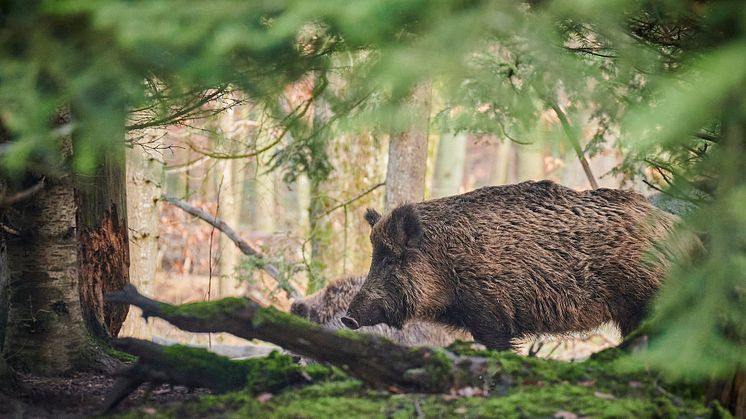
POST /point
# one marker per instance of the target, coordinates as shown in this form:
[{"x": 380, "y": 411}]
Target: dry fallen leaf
[
  {"x": 635, "y": 384},
  {"x": 149, "y": 410},
  {"x": 264, "y": 397},
  {"x": 605, "y": 396},
  {"x": 561, "y": 414}
]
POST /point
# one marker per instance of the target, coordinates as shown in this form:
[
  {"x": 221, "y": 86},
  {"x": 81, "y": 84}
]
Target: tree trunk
[
  {"x": 405, "y": 174},
  {"x": 5, "y": 374},
  {"x": 70, "y": 249},
  {"x": 235, "y": 130},
  {"x": 231, "y": 196},
  {"x": 46, "y": 331},
  {"x": 449, "y": 165},
  {"x": 500, "y": 170},
  {"x": 262, "y": 220},
  {"x": 530, "y": 163},
  {"x": 145, "y": 176},
  {"x": 103, "y": 242},
  {"x": 3, "y": 285},
  {"x": 230, "y": 209},
  {"x": 321, "y": 229}
]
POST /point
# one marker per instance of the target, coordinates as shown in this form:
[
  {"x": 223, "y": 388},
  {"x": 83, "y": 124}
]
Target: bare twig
[
  {"x": 355, "y": 198},
  {"x": 535, "y": 347},
  {"x": 707, "y": 136},
  {"x": 244, "y": 246},
  {"x": 183, "y": 113},
  {"x": 183, "y": 167},
  {"x": 591, "y": 51},
  {"x": 7, "y": 201},
  {"x": 570, "y": 133},
  {"x": 553, "y": 349}
]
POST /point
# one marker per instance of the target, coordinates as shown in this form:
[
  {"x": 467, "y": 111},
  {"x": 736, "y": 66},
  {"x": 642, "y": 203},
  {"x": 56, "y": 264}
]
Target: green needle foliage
[{"x": 663, "y": 80}]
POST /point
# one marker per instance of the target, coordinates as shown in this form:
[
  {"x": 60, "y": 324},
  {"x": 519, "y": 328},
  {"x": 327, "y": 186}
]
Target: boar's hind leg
[
  {"x": 491, "y": 337},
  {"x": 629, "y": 320}
]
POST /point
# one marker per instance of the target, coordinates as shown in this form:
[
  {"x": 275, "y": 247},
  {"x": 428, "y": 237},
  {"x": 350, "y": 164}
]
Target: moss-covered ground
[{"x": 522, "y": 388}]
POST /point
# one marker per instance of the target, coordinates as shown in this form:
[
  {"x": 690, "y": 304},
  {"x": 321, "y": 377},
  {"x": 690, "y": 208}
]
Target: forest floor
[
  {"x": 81, "y": 395},
  {"x": 523, "y": 387},
  {"x": 560, "y": 381}
]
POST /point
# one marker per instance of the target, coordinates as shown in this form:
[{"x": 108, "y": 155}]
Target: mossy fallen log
[
  {"x": 373, "y": 359},
  {"x": 470, "y": 381},
  {"x": 197, "y": 367}
]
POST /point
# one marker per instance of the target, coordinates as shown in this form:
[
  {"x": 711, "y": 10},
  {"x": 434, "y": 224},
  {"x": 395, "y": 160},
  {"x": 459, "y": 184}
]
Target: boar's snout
[
  {"x": 364, "y": 313},
  {"x": 350, "y": 323}
]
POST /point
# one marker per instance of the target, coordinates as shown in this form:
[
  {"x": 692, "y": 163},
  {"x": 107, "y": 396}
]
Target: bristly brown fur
[
  {"x": 329, "y": 304},
  {"x": 510, "y": 261}
]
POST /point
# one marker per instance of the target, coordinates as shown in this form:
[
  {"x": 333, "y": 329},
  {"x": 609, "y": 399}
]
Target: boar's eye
[{"x": 380, "y": 252}]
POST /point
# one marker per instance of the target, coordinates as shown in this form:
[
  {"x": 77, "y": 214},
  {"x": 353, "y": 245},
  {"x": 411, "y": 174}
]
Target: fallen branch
[
  {"x": 372, "y": 359},
  {"x": 244, "y": 246}
]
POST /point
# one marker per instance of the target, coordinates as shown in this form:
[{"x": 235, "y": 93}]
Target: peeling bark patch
[{"x": 104, "y": 267}]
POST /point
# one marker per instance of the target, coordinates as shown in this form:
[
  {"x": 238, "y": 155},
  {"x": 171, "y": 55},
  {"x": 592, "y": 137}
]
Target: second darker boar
[
  {"x": 329, "y": 304},
  {"x": 513, "y": 261}
]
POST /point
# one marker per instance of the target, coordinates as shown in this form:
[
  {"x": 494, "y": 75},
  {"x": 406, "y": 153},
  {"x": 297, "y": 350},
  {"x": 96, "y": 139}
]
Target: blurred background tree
[{"x": 551, "y": 83}]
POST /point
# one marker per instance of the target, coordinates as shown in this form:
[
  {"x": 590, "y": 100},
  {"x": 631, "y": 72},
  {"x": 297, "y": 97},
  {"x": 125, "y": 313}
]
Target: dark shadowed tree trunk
[
  {"x": 103, "y": 245},
  {"x": 405, "y": 174},
  {"x": 69, "y": 248},
  {"x": 4, "y": 372}
]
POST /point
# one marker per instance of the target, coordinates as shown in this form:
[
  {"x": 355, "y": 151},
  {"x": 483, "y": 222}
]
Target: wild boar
[
  {"x": 513, "y": 261},
  {"x": 329, "y": 304}
]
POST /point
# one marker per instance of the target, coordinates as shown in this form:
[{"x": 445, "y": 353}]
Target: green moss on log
[
  {"x": 206, "y": 309},
  {"x": 277, "y": 371},
  {"x": 437, "y": 372},
  {"x": 273, "y": 315},
  {"x": 220, "y": 372},
  {"x": 101, "y": 346}
]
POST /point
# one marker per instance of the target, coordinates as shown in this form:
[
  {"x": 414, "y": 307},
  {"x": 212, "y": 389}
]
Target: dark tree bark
[
  {"x": 103, "y": 242},
  {"x": 3, "y": 285},
  {"x": 5, "y": 373}
]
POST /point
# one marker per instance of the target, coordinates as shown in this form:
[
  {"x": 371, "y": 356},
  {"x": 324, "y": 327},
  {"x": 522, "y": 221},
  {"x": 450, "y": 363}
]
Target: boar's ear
[
  {"x": 408, "y": 229},
  {"x": 372, "y": 216}
]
